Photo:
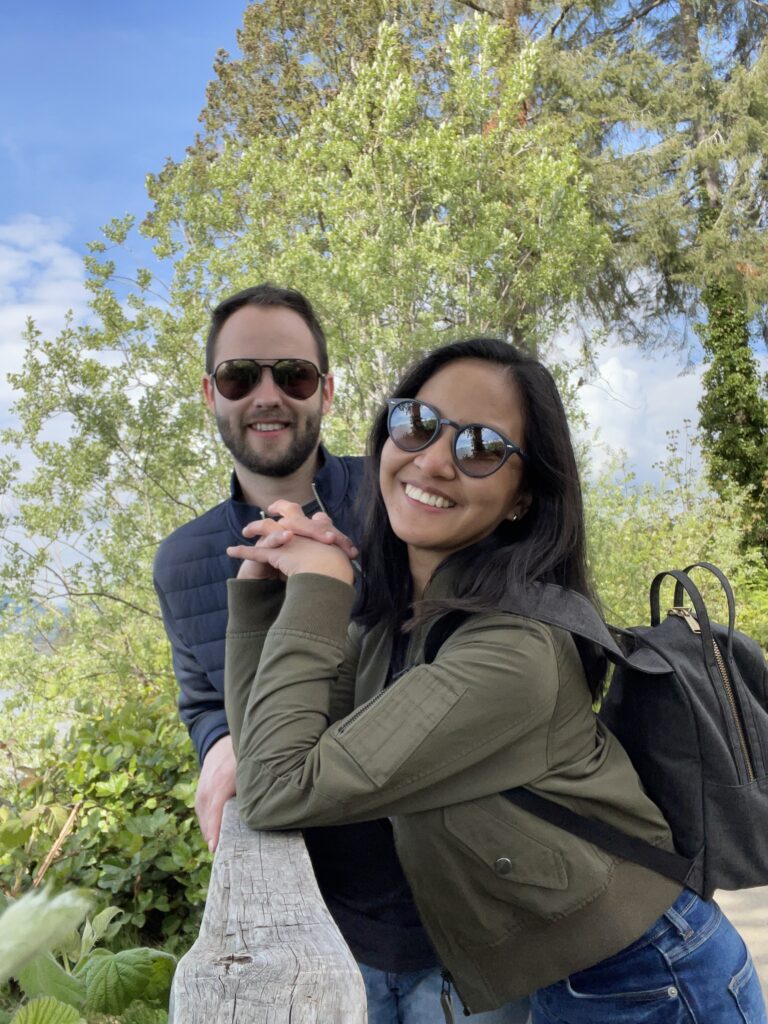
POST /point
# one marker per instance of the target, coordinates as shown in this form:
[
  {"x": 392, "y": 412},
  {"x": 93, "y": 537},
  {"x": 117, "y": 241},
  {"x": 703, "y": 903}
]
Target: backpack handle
[
  {"x": 725, "y": 584},
  {"x": 687, "y": 584}
]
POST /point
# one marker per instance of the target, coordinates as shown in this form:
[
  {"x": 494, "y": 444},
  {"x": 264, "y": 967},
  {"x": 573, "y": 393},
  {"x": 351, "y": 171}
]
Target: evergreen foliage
[{"x": 419, "y": 170}]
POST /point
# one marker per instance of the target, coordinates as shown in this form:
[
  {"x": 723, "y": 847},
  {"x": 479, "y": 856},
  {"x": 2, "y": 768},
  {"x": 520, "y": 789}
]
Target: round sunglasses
[
  {"x": 477, "y": 450},
  {"x": 236, "y": 378}
]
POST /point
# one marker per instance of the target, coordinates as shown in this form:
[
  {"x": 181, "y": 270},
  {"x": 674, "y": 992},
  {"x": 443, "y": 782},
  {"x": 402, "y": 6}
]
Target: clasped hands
[{"x": 292, "y": 543}]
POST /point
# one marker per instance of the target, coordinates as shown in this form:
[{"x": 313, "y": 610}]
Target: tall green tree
[
  {"x": 402, "y": 218},
  {"x": 667, "y": 100}
]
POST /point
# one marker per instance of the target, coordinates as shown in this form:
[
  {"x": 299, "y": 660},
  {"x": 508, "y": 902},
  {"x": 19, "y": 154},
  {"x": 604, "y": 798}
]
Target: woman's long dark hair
[{"x": 546, "y": 545}]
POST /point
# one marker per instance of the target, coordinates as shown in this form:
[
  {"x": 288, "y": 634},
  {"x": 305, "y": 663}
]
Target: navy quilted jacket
[{"x": 191, "y": 573}]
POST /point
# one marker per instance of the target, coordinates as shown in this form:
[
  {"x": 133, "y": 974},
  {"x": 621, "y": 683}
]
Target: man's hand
[
  {"x": 292, "y": 544},
  {"x": 215, "y": 786}
]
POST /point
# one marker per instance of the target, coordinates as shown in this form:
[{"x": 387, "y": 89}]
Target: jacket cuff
[
  {"x": 253, "y": 604},
  {"x": 317, "y": 604}
]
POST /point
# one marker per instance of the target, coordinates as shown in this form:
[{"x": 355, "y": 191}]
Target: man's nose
[
  {"x": 437, "y": 459},
  {"x": 266, "y": 391}
]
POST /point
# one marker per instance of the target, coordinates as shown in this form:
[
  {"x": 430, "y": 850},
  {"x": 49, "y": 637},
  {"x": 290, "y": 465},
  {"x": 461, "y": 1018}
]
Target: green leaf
[
  {"x": 47, "y": 1011},
  {"x": 140, "y": 1013},
  {"x": 14, "y": 833},
  {"x": 35, "y": 924},
  {"x": 102, "y": 921},
  {"x": 44, "y": 976},
  {"x": 114, "y": 980}
]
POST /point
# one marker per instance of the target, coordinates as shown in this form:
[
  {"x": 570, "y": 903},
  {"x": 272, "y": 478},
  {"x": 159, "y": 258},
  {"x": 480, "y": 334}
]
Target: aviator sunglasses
[
  {"x": 477, "y": 450},
  {"x": 236, "y": 378}
]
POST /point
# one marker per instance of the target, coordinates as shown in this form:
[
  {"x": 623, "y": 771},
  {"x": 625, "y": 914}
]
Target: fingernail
[{"x": 211, "y": 846}]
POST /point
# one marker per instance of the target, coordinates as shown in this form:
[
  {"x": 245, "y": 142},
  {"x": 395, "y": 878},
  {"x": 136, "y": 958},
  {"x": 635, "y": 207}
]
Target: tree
[
  {"x": 668, "y": 103},
  {"x": 679, "y": 160},
  {"x": 401, "y": 225}
]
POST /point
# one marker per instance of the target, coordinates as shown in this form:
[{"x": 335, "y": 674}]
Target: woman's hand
[{"x": 294, "y": 543}]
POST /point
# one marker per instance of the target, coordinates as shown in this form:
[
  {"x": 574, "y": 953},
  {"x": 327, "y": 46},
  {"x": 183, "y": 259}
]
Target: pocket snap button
[
  {"x": 671, "y": 991},
  {"x": 503, "y": 866}
]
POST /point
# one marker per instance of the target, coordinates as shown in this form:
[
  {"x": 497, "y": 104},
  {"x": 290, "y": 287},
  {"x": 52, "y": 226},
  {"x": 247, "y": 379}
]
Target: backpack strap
[
  {"x": 571, "y": 611},
  {"x": 439, "y": 632},
  {"x": 605, "y": 836}
]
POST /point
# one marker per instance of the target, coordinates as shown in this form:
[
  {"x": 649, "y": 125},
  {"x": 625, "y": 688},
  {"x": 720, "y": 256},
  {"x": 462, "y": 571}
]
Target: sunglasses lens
[
  {"x": 479, "y": 450},
  {"x": 412, "y": 425},
  {"x": 296, "y": 377},
  {"x": 236, "y": 378}
]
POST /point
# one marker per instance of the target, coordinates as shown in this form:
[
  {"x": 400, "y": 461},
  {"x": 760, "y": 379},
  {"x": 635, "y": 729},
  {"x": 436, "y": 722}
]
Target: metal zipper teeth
[
  {"x": 359, "y": 712},
  {"x": 727, "y": 686},
  {"x": 693, "y": 624}
]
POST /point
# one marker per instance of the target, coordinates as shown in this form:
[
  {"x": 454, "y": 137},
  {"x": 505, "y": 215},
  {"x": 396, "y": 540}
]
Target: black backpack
[{"x": 688, "y": 701}]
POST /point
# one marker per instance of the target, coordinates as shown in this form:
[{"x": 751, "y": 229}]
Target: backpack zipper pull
[{"x": 688, "y": 618}]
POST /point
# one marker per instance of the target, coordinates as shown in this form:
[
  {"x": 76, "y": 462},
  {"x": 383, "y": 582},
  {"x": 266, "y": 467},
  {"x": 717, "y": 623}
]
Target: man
[{"x": 268, "y": 384}]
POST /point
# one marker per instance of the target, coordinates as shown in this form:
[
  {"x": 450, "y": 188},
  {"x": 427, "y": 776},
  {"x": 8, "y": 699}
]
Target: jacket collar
[{"x": 330, "y": 486}]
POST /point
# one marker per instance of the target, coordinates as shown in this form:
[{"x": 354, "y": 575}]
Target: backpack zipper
[{"x": 690, "y": 620}]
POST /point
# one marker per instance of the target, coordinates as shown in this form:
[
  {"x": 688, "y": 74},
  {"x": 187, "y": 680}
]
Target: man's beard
[{"x": 278, "y": 465}]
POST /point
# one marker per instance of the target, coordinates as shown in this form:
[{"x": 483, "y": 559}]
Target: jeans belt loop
[{"x": 682, "y": 927}]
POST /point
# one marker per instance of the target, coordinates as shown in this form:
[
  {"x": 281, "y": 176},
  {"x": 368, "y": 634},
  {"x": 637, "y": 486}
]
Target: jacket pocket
[
  {"x": 391, "y": 728},
  {"x": 527, "y": 862}
]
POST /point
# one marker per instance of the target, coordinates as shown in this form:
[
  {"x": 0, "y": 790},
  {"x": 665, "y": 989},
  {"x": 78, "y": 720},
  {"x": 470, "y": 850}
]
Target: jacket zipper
[
  {"x": 690, "y": 619},
  {"x": 445, "y": 997},
  {"x": 353, "y": 561},
  {"x": 359, "y": 712}
]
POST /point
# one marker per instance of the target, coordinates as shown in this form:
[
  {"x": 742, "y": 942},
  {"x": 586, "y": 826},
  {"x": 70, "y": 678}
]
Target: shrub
[{"x": 129, "y": 773}]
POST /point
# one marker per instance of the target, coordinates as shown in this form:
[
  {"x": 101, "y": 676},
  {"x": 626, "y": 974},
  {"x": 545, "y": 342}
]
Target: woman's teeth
[{"x": 427, "y": 499}]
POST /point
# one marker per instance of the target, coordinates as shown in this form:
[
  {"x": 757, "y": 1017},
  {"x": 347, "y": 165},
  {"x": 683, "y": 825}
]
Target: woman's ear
[{"x": 520, "y": 507}]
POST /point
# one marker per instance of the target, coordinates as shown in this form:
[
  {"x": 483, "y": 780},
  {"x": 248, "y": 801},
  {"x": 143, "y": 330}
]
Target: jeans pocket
[
  {"x": 745, "y": 989},
  {"x": 564, "y": 1002}
]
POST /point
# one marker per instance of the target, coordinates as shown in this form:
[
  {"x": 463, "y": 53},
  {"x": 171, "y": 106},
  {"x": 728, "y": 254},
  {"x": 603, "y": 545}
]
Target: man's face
[{"x": 267, "y": 432}]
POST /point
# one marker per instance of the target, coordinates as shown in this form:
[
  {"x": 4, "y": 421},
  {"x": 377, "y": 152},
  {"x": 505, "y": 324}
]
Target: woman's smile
[{"x": 425, "y": 497}]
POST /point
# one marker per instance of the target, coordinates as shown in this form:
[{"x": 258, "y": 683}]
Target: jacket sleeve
[
  {"x": 414, "y": 746},
  {"x": 201, "y": 705}
]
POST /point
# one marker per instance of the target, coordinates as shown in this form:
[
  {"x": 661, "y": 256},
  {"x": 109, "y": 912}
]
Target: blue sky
[{"x": 94, "y": 94}]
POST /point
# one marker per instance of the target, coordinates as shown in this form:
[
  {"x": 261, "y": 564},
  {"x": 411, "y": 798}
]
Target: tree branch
[
  {"x": 481, "y": 9},
  {"x": 634, "y": 16}
]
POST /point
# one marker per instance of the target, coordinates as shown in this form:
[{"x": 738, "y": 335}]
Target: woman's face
[{"x": 432, "y": 506}]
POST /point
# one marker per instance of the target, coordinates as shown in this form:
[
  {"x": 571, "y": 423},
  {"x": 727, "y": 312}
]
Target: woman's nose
[{"x": 437, "y": 459}]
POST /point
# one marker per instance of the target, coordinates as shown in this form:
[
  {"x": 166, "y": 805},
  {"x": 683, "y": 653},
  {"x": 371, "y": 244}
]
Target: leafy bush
[
  {"x": 66, "y": 977},
  {"x": 130, "y": 774},
  {"x": 637, "y": 530}
]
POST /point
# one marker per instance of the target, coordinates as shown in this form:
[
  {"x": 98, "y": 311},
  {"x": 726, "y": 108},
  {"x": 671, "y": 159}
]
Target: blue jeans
[
  {"x": 690, "y": 967},
  {"x": 413, "y": 997}
]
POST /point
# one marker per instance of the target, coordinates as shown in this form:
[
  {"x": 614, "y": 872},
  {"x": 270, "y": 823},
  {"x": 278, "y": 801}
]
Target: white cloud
[
  {"x": 40, "y": 277},
  {"x": 635, "y": 399},
  {"x": 632, "y": 400}
]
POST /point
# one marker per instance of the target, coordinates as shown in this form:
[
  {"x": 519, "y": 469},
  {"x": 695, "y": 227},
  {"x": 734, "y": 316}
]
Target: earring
[{"x": 514, "y": 517}]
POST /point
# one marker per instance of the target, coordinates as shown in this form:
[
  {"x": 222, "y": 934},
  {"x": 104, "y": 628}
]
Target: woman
[{"x": 477, "y": 491}]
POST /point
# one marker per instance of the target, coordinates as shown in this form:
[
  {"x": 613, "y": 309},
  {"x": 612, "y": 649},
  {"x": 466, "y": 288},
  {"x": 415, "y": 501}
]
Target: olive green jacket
[{"x": 510, "y": 902}]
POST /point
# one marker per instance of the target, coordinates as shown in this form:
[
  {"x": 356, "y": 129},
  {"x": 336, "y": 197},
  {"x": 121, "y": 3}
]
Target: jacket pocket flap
[{"x": 505, "y": 849}]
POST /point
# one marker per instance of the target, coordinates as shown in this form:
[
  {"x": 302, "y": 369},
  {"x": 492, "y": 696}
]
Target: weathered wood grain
[{"x": 268, "y": 951}]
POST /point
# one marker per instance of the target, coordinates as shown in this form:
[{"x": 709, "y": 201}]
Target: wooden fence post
[{"x": 268, "y": 951}]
